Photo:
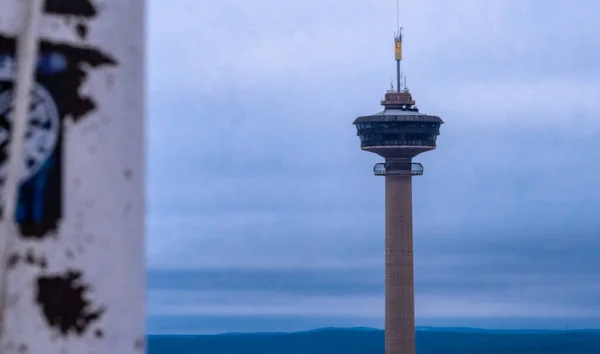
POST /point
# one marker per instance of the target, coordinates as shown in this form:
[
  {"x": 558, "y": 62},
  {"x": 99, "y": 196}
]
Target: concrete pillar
[
  {"x": 75, "y": 273},
  {"x": 399, "y": 273}
]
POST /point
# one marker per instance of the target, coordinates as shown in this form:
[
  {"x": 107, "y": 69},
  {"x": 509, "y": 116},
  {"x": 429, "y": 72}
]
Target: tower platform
[{"x": 399, "y": 131}]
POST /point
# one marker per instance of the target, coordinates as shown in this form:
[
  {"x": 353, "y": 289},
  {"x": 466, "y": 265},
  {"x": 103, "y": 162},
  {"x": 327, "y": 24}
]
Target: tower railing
[{"x": 383, "y": 169}]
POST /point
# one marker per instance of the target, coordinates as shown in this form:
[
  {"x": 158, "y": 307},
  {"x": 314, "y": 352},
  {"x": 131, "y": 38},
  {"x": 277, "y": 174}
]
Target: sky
[{"x": 264, "y": 214}]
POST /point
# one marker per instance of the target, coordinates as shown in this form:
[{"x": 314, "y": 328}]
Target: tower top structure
[
  {"x": 400, "y": 130},
  {"x": 399, "y": 97}
]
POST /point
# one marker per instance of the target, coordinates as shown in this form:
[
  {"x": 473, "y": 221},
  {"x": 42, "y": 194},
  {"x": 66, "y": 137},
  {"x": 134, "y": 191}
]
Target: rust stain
[{"x": 62, "y": 299}]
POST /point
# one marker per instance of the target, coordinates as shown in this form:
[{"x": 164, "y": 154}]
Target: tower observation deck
[{"x": 398, "y": 133}]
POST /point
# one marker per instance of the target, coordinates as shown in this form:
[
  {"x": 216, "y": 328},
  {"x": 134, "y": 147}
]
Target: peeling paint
[{"x": 62, "y": 299}]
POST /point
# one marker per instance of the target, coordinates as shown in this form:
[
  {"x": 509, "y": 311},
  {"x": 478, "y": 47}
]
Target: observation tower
[{"x": 398, "y": 133}]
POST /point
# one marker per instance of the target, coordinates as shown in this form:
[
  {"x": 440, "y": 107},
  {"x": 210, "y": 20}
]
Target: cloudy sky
[{"x": 264, "y": 214}]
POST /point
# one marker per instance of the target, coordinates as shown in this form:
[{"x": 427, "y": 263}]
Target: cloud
[
  {"x": 341, "y": 297},
  {"x": 293, "y": 282},
  {"x": 254, "y": 163},
  {"x": 214, "y": 303}
]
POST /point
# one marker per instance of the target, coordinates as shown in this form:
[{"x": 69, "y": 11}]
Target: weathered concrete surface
[
  {"x": 76, "y": 273},
  {"x": 399, "y": 268}
]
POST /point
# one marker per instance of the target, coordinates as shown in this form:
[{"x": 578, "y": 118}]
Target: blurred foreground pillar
[{"x": 75, "y": 271}]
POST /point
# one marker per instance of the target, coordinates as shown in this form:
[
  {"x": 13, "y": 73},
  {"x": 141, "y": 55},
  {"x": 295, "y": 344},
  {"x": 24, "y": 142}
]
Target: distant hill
[
  {"x": 364, "y": 340},
  {"x": 349, "y": 329}
]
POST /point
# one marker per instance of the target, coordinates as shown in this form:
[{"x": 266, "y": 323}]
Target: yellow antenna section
[
  {"x": 398, "y": 45},
  {"x": 398, "y": 50}
]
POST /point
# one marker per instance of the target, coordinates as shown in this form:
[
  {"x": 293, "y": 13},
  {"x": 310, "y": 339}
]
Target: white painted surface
[
  {"x": 16, "y": 111},
  {"x": 101, "y": 231}
]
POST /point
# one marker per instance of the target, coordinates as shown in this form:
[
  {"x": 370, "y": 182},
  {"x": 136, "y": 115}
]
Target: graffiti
[
  {"x": 82, "y": 8},
  {"x": 42, "y": 152},
  {"x": 61, "y": 71},
  {"x": 62, "y": 299}
]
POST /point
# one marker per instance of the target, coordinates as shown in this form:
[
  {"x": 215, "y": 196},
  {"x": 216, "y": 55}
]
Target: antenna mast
[
  {"x": 398, "y": 47},
  {"x": 397, "y": 14}
]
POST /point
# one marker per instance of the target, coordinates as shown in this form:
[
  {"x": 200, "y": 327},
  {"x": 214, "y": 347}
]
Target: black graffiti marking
[
  {"x": 82, "y": 30},
  {"x": 83, "y": 8},
  {"x": 68, "y": 82},
  {"x": 65, "y": 89},
  {"x": 29, "y": 259},
  {"x": 42, "y": 262},
  {"x": 63, "y": 302},
  {"x": 12, "y": 261}
]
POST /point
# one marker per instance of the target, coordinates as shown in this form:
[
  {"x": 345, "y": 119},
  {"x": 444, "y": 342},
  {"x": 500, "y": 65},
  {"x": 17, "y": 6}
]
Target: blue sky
[{"x": 264, "y": 214}]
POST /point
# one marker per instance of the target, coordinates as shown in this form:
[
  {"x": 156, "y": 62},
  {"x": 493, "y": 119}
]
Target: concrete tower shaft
[{"x": 399, "y": 269}]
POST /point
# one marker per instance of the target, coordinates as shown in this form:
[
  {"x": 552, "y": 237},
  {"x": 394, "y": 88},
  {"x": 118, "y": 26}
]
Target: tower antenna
[
  {"x": 398, "y": 15},
  {"x": 398, "y": 56},
  {"x": 398, "y": 47}
]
